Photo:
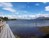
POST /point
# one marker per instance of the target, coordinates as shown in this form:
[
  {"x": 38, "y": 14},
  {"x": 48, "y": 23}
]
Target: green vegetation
[{"x": 6, "y": 18}]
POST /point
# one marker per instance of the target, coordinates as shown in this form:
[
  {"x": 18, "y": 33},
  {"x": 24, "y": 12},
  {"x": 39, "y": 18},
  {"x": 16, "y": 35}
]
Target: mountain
[{"x": 43, "y": 18}]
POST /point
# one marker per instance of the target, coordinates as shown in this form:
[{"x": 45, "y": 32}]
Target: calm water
[{"x": 27, "y": 28}]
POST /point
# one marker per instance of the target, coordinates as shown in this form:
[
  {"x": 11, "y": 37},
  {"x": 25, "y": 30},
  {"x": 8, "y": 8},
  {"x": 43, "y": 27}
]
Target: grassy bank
[{"x": 45, "y": 30}]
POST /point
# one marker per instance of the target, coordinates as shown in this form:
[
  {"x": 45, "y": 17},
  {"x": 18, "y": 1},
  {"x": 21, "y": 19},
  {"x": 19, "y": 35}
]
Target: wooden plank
[
  {"x": 9, "y": 31},
  {"x": 6, "y": 32}
]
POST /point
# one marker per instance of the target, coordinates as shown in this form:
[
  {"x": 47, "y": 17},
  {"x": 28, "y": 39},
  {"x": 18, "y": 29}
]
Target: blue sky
[{"x": 24, "y": 9}]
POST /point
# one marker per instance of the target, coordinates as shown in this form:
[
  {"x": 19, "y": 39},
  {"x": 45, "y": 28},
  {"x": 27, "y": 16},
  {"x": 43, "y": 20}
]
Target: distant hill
[{"x": 43, "y": 18}]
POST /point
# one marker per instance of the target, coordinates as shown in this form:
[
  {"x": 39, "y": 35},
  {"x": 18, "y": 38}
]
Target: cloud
[
  {"x": 44, "y": 2},
  {"x": 7, "y": 6},
  {"x": 25, "y": 16},
  {"x": 31, "y": 16},
  {"x": 9, "y": 9},
  {"x": 42, "y": 15},
  {"x": 47, "y": 8}
]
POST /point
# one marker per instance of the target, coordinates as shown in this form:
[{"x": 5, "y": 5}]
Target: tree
[{"x": 5, "y": 18}]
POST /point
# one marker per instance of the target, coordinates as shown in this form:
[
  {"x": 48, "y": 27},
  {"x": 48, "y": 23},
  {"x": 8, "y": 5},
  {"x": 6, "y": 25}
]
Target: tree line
[{"x": 4, "y": 18}]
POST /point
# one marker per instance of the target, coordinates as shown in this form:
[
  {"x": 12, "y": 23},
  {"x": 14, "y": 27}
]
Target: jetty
[{"x": 6, "y": 32}]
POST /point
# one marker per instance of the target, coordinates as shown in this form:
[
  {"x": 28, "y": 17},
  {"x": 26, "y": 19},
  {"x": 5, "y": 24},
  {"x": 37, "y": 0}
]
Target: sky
[{"x": 24, "y": 10}]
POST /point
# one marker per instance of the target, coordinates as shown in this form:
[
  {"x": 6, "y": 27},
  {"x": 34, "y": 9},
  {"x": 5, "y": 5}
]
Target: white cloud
[
  {"x": 7, "y": 6},
  {"x": 44, "y": 2},
  {"x": 47, "y": 8},
  {"x": 9, "y": 9},
  {"x": 31, "y": 16},
  {"x": 25, "y": 16},
  {"x": 42, "y": 15}
]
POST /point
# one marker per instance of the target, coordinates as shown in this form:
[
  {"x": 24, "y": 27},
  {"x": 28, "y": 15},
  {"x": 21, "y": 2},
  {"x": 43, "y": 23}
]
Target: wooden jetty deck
[{"x": 6, "y": 32}]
